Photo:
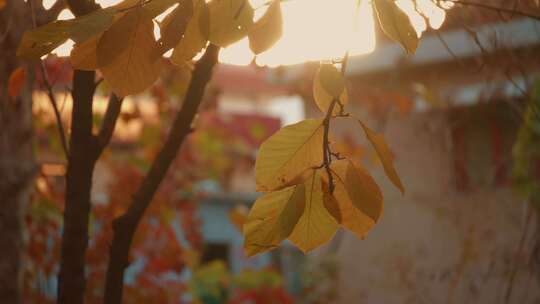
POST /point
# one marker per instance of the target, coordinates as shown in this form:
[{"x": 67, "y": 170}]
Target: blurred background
[{"x": 461, "y": 119}]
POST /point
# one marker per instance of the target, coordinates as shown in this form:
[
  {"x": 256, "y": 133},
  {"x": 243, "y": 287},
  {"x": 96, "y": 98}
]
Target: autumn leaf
[
  {"x": 125, "y": 54},
  {"x": 323, "y": 98},
  {"x": 385, "y": 156},
  {"x": 83, "y": 55},
  {"x": 316, "y": 226},
  {"x": 195, "y": 36},
  {"x": 396, "y": 24},
  {"x": 267, "y": 30},
  {"x": 356, "y": 202},
  {"x": 172, "y": 28},
  {"x": 16, "y": 82},
  {"x": 238, "y": 216},
  {"x": 230, "y": 21},
  {"x": 44, "y": 39},
  {"x": 289, "y": 153},
  {"x": 273, "y": 218}
]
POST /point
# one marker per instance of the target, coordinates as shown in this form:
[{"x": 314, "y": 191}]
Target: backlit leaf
[
  {"x": 83, "y": 55},
  {"x": 16, "y": 82},
  {"x": 358, "y": 200},
  {"x": 267, "y": 30},
  {"x": 273, "y": 218},
  {"x": 324, "y": 99},
  {"x": 230, "y": 21},
  {"x": 174, "y": 25},
  {"x": 385, "y": 156},
  {"x": 195, "y": 36},
  {"x": 316, "y": 226},
  {"x": 43, "y": 40},
  {"x": 396, "y": 24},
  {"x": 134, "y": 68},
  {"x": 289, "y": 153},
  {"x": 331, "y": 80}
]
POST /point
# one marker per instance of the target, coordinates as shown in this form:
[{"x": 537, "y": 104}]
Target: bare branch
[
  {"x": 125, "y": 226},
  {"x": 109, "y": 121}
]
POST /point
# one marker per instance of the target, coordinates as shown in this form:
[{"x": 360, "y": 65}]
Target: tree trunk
[{"x": 17, "y": 165}]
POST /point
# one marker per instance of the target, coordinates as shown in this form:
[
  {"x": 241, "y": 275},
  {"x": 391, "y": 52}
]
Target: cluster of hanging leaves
[
  {"x": 119, "y": 41},
  {"x": 309, "y": 191}
]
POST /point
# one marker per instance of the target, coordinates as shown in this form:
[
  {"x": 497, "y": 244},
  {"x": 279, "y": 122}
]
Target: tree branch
[
  {"x": 125, "y": 226},
  {"x": 109, "y": 121},
  {"x": 57, "y": 115},
  {"x": 497, "y": 9}
]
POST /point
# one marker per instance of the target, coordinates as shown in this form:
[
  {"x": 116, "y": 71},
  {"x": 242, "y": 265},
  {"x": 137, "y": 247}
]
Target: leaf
[
  {"x": 83, "y": 55},
  {"x": 358, "y": 202},
  {"x": 195, "y": 36},
  {"x": 316, "y": 226},
  {"x": 331, "y": 80},
  {"x": 324, "y": 99},
  {"x": 16, "y": 82},
  {"x": 267, "y": 30},
  {"x": 288, "y": 153},
  {"x": 133, "y": 68},
  {"x": 238, "y": 216},
  {"x": 396, "y": 24},
  {"x": 174, "y": 25},
  {"x": 230, "y": 21},
  {"x": 43, "y": 40},
  {"x": 385, "y": 156},
  {"x": 273, "y": 218}
]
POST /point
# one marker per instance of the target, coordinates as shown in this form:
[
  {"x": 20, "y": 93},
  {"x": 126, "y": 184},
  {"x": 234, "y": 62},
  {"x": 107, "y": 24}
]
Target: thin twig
[
  {"x": 58, "y": 117},
  {"x": 496, "y": 8},
  {"x": 109, "y": 121}
]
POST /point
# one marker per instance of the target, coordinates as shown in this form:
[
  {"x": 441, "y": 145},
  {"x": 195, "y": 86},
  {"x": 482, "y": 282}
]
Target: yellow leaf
[
  {"x": 316, "y": 226},
  {"x": 230, "y": 21},
  {"x": 238, "y": 216},
  {"x": 396, "y": 24},
  {"x": 174, "y": 25},
  {"x": 133, "y": 68},
  {"x": 16, "y": 82},
  {"x": 289, "y": 153},
  {"x": 267, "y": 30},
  {"x": 358, "y": 201},
  {"x": 272, "y": 219},
  {"x": 324, "y": 99},
  {"x": 331, "y": 80},
  {"x": 43, "y": 40},
  {"x": 195, "y": 36},
  {"x": 83, "y": 55},
  {"x": 385, "y": 156}
]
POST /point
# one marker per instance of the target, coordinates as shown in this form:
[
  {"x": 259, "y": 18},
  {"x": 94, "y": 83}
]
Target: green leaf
[
  {"x": 396, "y": 24},
  {"x": 267, "y": 30},
  {"x": 288, "y": 154},
  {"x": 43, "y": 40},
  {"x": 385, "y": 156},
  {"x": 230, "y": 21},
  {"x": 273, "y": 218},
  {"x": 316, "y": 226}
]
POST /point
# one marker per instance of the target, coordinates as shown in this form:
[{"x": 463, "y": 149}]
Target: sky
[{"x": 313, "y": 30}]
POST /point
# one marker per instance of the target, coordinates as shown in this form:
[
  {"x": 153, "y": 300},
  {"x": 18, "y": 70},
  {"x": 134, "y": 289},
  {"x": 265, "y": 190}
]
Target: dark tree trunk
[
  {"x": 125, "y": 226},
  {"x": 17, "y": 165}
]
